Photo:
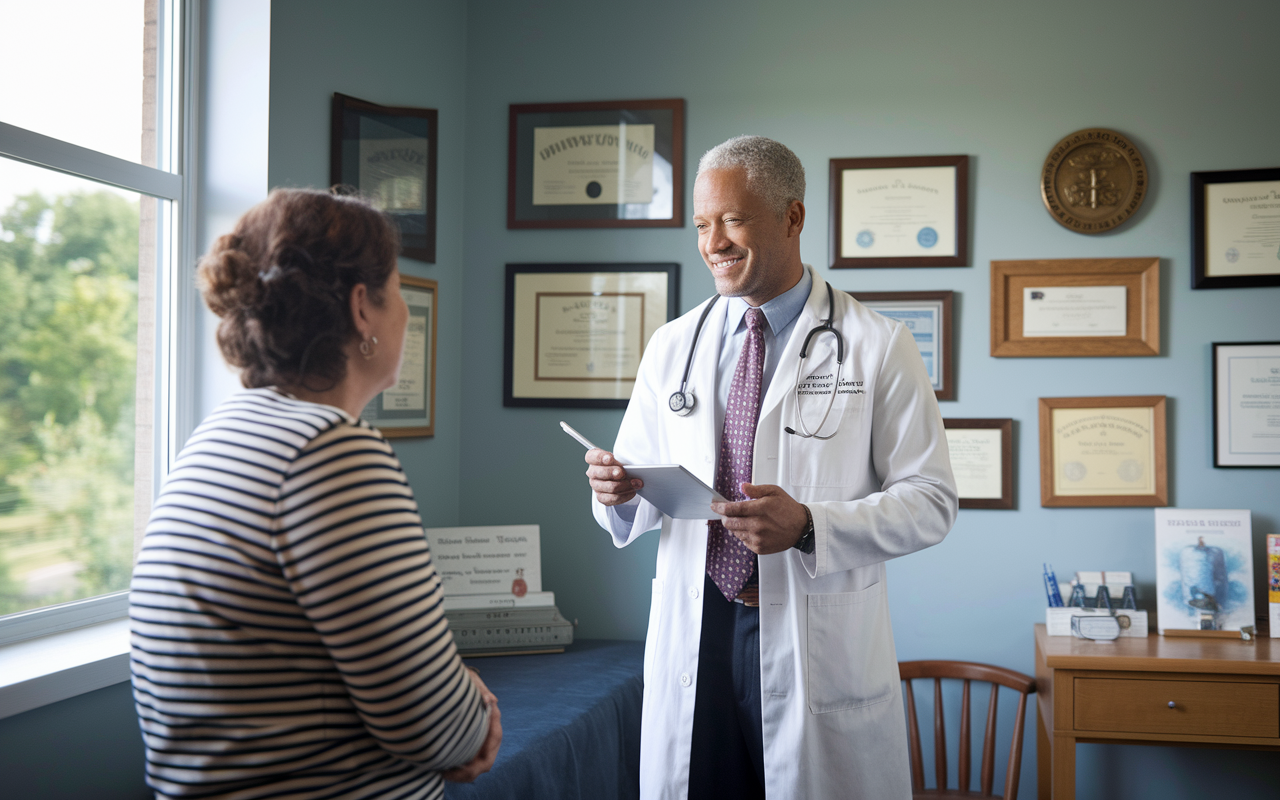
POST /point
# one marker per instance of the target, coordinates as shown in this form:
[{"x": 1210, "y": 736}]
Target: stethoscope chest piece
[{"x": 682, "y": 403}]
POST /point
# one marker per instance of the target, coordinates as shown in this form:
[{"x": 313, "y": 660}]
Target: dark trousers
[{"x": 727, "y": 758}]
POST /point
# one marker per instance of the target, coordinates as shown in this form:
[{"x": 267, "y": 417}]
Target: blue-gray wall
[
  {"x": 398, "y": 53},
  {"x": 1191, "y": 83}
]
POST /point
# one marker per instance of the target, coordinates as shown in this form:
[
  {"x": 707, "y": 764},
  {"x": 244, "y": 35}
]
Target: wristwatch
[{"x": 805, "y": 543}]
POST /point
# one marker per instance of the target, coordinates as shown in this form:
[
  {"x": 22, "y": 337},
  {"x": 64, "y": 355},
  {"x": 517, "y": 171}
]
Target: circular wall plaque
[{"x": 1093, "y": 180}]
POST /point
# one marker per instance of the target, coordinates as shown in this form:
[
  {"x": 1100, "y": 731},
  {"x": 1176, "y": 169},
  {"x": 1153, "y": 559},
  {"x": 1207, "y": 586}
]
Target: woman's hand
[{"x": 483, "y": 761}]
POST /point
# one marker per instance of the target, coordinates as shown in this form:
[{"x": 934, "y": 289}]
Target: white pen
[{"x": 582, "y": 440}]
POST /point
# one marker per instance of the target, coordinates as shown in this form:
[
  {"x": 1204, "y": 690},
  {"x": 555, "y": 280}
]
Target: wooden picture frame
[
  {"x": 1119, "y": 459},
  {"x": 409, "y": 407},
  {"x": 974, "y": 446},
  {"x": 387, "y": 154},
  {"x": 575, "y": 333},
  {"x": 1117, "y": 297},
  {"x": 936, "y": 338},
  {"x": 563, "y": 164},
  {"x": 1246, "y": 390},
  {"x": 924, "y": 222},
  {"x": 1229, "y": 248}
]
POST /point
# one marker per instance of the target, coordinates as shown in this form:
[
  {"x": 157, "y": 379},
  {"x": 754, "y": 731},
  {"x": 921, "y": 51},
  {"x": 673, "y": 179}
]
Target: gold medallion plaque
[{"x": 1093, "y": 180}]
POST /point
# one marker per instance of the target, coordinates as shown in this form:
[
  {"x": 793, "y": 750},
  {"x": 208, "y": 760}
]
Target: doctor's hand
[
  {"x": 770, "y": 522},
  {"x": 609, "y": 480}
]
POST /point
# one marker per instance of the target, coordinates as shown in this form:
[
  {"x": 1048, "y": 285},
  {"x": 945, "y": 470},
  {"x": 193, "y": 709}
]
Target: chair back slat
[
  {"x": 1015, "y": 752},
  {"x": 967, "y": 672},
  {"x": 989, "y": 743},
  {"x": 939, "y": 736},
  {"x": 962, "y": 780},
  {"x": 913, "y": 742}
]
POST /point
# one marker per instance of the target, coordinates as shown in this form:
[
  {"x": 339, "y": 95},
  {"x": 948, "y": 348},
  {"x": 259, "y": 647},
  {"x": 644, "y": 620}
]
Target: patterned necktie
[{"x": 729, "y": 562}]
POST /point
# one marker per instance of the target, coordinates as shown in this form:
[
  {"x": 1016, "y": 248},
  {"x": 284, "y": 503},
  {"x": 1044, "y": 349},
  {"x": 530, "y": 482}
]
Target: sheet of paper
[
  {"x": 976, "y": 455},
  {"x": 1073, "y": 311},
  {"x": 487, "y": 560},
  {"x": 593, "y": 165},
  {"x": 1242, "y": 228},
  {"x": 1103, "y": 451},
  {"x": 587, "y": 336},
  {"x": 898, "y": 211}
]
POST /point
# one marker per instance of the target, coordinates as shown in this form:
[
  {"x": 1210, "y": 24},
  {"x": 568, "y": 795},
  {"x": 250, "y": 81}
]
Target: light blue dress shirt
[{"x": 780, "y": 313}]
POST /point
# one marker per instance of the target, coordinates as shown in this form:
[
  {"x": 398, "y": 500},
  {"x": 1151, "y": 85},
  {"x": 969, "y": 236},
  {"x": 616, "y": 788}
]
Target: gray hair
[{"x": 773, "y": 171}]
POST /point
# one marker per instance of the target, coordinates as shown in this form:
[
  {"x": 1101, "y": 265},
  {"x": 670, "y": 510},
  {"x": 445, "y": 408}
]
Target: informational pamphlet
[
  {"x": 496, "y": 560},
  {"x": 1204, "y": 569}
]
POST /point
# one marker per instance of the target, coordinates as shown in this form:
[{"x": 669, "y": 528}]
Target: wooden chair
[{"x": 966, "y": 671}]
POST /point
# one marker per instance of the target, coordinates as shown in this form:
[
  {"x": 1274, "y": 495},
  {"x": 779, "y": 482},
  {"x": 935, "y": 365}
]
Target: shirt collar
[{"x": 779, "y": 312}]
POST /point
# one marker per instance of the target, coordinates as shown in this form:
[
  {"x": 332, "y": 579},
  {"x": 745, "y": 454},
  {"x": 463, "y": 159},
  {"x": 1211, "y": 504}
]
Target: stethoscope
[{"x": 682, "y": 401}]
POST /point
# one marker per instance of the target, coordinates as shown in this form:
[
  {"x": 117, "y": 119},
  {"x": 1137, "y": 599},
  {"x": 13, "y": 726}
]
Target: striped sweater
[{"x": 288, "y": 633}]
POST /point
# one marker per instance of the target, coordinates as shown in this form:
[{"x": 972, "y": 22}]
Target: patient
[{"x": 289, "y": 639}]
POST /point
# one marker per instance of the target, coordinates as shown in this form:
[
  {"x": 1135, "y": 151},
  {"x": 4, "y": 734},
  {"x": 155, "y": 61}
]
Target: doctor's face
[{"x": 748, "y": 249}]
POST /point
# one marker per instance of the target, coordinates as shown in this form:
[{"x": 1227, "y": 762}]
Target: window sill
[{"x": 40, "y": 671}]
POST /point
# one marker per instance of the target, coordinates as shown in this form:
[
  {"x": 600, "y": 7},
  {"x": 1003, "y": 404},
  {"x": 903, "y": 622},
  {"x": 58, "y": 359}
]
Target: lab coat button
[
  {"x": 693, "y": 592},
  {"x": 685, "y": 680}
]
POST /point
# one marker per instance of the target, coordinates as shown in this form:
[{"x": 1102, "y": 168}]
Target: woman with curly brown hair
[{"x": 289, "y": 639}]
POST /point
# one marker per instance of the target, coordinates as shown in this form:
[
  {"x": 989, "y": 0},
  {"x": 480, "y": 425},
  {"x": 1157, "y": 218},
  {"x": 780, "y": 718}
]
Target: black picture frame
[
  {"x": 523, "y": 384},
  {"x": 1224, "y": 399},
  {"x": 399, "y": 178},
  {"x": 528, "y": 127},
  {"x": 1006, "y": 500},
  {"x": 902, "y": 167},
  {"x": 1202, "y": 270}
]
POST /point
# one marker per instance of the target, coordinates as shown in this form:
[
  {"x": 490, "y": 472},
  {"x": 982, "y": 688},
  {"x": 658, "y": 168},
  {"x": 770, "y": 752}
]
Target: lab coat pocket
[
  {"x": 829, "y": 462},
  {"x": 850, "y": 650}
]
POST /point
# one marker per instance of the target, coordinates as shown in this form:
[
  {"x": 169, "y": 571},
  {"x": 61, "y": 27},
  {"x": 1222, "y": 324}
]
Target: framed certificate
[
  {"x": 388, "y": 155},
  {"x": 900, "y": 212},
  {"x": 616, "y": 164},
  {"x": 928, "y": 316},
  {"x": 409, "y": 407},
  {"x": 1235, "y": 228},
  {"x": 1075, "y": 307},
  {"x": 1246, "y": 404},
  {"x": 575, "y": 333},
  {"x": 982, "y": 461},
  {"x": 1103, "y": 451}
]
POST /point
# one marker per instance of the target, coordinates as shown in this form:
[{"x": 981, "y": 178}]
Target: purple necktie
[{"x": 729, "y": 562}]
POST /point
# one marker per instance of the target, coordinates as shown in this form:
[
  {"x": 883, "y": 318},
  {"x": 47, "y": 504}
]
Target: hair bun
[{"x": 226, "y": 276}]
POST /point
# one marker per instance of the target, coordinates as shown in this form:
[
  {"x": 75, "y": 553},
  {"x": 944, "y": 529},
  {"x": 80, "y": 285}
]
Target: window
[{"x": 90, "y": 210}]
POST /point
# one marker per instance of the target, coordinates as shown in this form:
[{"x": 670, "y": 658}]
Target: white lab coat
[{"x": 831, "y": 700}]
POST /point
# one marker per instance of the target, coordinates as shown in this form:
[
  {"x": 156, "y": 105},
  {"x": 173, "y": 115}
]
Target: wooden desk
[{"x": 1157, "y": 690}]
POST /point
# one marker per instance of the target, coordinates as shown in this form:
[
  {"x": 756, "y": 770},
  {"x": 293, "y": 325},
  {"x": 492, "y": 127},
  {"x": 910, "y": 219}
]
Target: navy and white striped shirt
[{"x": 289, "y": 638}]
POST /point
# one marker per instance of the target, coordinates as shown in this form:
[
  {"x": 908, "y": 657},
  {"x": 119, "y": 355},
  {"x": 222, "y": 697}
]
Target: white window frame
[{"x": 172, "y": 181}]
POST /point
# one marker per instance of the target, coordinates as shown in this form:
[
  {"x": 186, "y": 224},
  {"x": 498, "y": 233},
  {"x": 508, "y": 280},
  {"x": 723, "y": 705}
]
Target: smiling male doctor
[{"x": 769, "y": 665}]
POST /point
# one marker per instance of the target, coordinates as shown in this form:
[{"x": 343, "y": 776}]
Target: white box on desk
[{"x": 1057, "y": 621}]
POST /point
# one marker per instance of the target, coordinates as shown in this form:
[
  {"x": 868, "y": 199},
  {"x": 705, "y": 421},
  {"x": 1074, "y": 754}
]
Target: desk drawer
[{"x": 1207, "y": 708}]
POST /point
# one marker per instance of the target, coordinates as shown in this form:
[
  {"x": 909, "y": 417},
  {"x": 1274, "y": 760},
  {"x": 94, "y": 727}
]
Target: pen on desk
[{"x": 1051, "y": 587}]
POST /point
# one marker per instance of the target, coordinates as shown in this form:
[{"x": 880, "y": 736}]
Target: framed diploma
[
  {"x": 1235, "y": 228},
  {"x": 388, "y": 155},
  {"x": 928, "y": 316},
  {"x": 1246, "y": 404},
  {"x": 615, "y": 164},
  {"x": 1075, "y": 307},
  {"x": 982, "y": 461},
  {"x": 1103, "y": 451},
  {"x": 409, "y": 407},
  {"x": 575, "y": 333},
  {"x": 900, "y": 212}
]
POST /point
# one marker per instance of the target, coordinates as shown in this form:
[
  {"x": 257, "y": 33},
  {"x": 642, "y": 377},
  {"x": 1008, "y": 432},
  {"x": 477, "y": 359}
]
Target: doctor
[{"x": 769, "y": 663}]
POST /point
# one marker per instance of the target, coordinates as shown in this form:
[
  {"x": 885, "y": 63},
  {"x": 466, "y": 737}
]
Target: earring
[{"x": 367, "y": 347}]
